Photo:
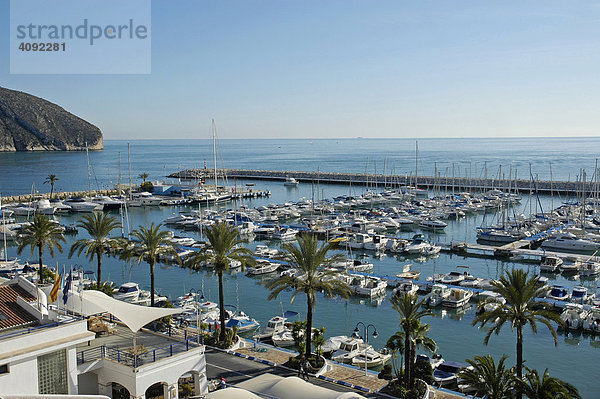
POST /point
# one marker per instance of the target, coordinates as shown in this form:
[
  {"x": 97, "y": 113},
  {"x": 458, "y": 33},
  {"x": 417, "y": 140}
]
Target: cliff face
[{"x": 29, "y": 123}]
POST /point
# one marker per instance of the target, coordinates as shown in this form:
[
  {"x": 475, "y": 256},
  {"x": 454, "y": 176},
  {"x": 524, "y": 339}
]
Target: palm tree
[
  {"x": 51, "y": 179},
  {"x": 546, "y": 388},
  {"x": 419, "y": 339},
  {"x": 488, "y": 379},
  {"x": 409, "y": 308},
  {"x": 42, "y": 232},
  {"x": 224, "y": 246},
  {"x": 395, "y": 344},
  {"x": 98, "y": 225},
  {"x": 312, "y": 262},
  {"x": 143, "y": 176},
  {"x": 520, "y": 292},
  {"x": 152, "y": 245}
]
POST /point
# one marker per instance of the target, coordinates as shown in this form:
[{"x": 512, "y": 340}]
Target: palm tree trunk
[
  {"x": 99, "y": 255},
  {"x": 151, "y": 283},
  {"x": 411, "y": 377},
  {"x": 41, "y": 265},
  {"x": 406, "y": 358},
  {"x": 221, "y": 308},
  {"x": 308, "y": 332},
  {"x": 519, "y": 357},
  {"x": 51, "y": 189}
]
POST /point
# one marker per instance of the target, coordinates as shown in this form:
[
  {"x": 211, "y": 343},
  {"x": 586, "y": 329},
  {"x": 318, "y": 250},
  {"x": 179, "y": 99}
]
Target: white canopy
[
  {"x": 232, "y": 393},
  {"x": 91, "y": 302},
  {"x": 292, "y": 388}
]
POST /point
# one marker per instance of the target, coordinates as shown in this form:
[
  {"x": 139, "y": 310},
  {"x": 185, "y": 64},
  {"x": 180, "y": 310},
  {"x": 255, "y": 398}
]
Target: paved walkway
[{"x": 338, "y": 372}]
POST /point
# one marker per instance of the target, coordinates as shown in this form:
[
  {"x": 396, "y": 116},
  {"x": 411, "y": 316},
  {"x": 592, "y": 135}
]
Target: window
[
  {"x": 3, "y": 368},
  {"x": 52, "y": 373}
]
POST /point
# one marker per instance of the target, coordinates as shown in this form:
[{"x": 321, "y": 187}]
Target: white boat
[
  {"x": 348, "y": 349},
  {"x": 573, "y": 316},
  {"x": 591, "y": 322},
  {"x": 284, "y": 233},
  {"x": 418, "y": 245},
  {"x": 571, "y": 265},
  {"x": 262, "y": 251},
  {"x": 447, "y": 372},
  {"x": 370, "y": 358},
  {"x": 581, "y": 295},
  {"x": 458, "y": 298},
  {"x": 262, "y": 266},
  {"x": 405, "y": 287},
  {"x": 456, "y": 277},
  {"x": 432, "y": 224},
  {"x": 570, "y": 242},
  {"x": 407, "y": 273},
  {"x": 242, "y": 322},
  {"x": 359, "y": 240},
  {"x": 290, "y": 182},
  {"x": 359, "y": 266},
  {"x": 589, "y": 268},
  {"x": 489, "y": 301},
  {"x": 438, "y": 293},
  {"x": 144, "y": 198},
  {"x": 107, "y": 202},
  {"x": 275, "y": 325},
  {"x": 128, "y": 292},
  {"x": 59, "y": 206},
  {"x": 558, "y": 293},
  {"x": 377, "y": 243},
  {"x": 44, "y": 207},
  {"x": 370, "y": 287},
  {"x": 550, "y": 264},
  {"x": 79, "y": 204},
  {"x": 283, "y": 339},
  {"x": 333, "y": 343},
  {"x": 246, "y": 228}
]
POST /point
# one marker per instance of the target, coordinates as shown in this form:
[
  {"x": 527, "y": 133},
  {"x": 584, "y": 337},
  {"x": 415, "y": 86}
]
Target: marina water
[{"x": 574, "y": 360}]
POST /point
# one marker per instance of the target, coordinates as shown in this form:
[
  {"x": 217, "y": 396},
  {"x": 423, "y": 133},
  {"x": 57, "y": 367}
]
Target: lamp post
[
  {"x": 366, "y": 330},
  {"x": 197, "y": 312}
]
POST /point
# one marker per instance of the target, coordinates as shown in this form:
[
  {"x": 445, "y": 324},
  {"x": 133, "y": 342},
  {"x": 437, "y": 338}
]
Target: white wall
[{"x": 21, "y": 379}]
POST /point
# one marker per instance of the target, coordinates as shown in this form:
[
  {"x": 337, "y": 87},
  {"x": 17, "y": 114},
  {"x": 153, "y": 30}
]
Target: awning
[
  {"x": 292, "y": 388},
  {"x": 92, "y": 302}
]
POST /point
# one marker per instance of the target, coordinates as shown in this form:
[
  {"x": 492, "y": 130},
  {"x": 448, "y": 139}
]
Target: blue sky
[{"x": 371, "y": 68}]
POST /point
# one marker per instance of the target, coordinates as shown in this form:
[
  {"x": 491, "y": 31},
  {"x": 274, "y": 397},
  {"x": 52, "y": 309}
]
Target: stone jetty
[{"x": 456, "y": 184}]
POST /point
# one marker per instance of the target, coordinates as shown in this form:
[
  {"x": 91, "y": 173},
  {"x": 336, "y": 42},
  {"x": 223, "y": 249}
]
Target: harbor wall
[{"x": 455, "y": 184}]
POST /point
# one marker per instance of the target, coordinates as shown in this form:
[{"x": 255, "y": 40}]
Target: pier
[{"x": 454, "y": 184}]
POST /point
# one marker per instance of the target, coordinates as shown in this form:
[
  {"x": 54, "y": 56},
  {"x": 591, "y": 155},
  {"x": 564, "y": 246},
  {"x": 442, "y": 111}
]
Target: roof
[
  {"x": 292, "y": 388},
  {"x": 91, "y": 302},
  {"x": 11, "y": 314}
]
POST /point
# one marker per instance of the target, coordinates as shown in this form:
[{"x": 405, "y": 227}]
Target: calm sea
[
  {"x": 575, "y": 357},
  {"x": 561, "y": 158}
]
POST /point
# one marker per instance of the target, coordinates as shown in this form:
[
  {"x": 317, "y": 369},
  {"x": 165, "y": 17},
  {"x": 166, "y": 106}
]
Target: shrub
[
  {"x": 147, "y": 186},
  {"x": 423, "y": 370},
  {"x": 386, "y": 373}
]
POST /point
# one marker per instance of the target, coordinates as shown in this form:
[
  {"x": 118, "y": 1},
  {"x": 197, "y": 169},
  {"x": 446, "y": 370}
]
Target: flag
[
  {"x": 55, "y": 287},
  {"x": 67, "y": 288}
]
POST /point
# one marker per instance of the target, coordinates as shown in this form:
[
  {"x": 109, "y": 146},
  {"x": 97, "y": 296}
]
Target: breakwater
[
  {"x": 25, "y": 198},
  {"x": 454, "y": 184}
]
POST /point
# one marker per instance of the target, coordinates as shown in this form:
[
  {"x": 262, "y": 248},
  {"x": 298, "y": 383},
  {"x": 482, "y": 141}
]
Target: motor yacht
[
  {"x": 438, "y": 293},
  {"x": 550, "y": 264},
  {"x": 348, "y": 349},
  {"x": 370, "y": 358},
  {"x": 458, "y": 298},
  {"x": 572, "y": 316},
  {"x": 262, "y": 266},
  {"x": 570, "y": 242}
]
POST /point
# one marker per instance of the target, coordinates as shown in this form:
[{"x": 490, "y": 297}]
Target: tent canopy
[
  {"x": 292, "y": 388},
  {"x": 91, "y": 302}
]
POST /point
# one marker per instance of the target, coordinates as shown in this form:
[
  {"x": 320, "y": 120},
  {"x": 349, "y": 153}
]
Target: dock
[{"x": 454, "y": 184}]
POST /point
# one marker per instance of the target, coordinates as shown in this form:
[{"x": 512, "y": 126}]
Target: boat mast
[
  {"x": 87, "y": 155},
  {"x": 129, "y": 163},
  {"x": 214, "y": 152},
  {"x": 416, "y": 163}
]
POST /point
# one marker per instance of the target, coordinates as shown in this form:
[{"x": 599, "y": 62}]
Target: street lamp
[
  {"x": 197, "y": 312},
  {"x": 366, "y": 330}
]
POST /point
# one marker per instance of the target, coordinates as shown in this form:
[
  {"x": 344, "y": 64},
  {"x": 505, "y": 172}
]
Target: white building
[{"x": 44, "y": 352}]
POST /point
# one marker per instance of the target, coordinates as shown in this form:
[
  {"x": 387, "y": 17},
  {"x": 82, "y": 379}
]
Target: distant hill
[{"x": 29, "y": 123}]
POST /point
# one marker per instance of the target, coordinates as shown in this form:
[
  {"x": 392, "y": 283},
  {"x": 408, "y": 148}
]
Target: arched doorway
[
  {"x": 156, "y": 391},
  {"x": 187, "y": 384},
  {"x": 119, "y": 391}
]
